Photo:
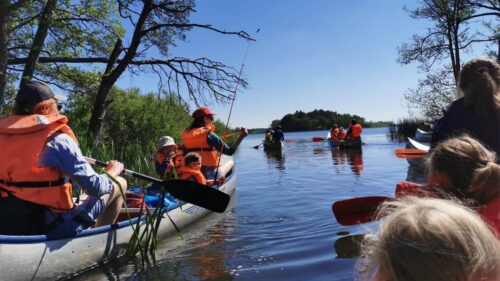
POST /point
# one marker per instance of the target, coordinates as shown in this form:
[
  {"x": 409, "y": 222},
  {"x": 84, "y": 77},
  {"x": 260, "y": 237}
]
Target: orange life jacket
[
  {"x": 341, "y": 134},
  {"x": 195, "y": 140},
  {"x": 186, "y": 173},
  {"x": 334, "y": 134},
  {"x": 355, "y": 131},
  {"x": 22, "y": 139}
]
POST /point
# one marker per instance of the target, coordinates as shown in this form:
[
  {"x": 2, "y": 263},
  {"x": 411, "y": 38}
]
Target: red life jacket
[
  {"x": 490, "y": 213},
  {"x": 195, "y": 140},
  {"x": 22, "y": 139},
  {"x": 334, "y": 134},
  {"x": 186, "y": 173}
]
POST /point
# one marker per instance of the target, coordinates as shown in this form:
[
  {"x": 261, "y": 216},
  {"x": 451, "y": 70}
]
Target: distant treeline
[{"x": 318, "y": 120}]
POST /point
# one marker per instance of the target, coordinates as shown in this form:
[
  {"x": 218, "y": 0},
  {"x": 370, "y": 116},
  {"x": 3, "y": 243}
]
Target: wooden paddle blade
[
  {"x": 316, "y": 139},
  {"x": 357, "y": 210},
  {"x": 198, "y": 194}
]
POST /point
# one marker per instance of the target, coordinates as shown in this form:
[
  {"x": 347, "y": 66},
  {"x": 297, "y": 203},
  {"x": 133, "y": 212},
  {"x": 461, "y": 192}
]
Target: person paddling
[
  {"x": 354, "y": 132},
  {"x": 334, "y": 132},
  {"x": 200, "y": 137},
  {"x": 39, "y": 155},
  {"x": 278, "y": 134}
]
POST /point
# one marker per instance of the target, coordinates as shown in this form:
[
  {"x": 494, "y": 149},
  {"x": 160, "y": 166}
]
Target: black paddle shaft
[{"x": 189, "y": 191}]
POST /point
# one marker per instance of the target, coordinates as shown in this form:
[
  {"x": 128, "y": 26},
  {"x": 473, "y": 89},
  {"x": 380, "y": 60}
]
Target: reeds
[{"x": 405, "y": 128}]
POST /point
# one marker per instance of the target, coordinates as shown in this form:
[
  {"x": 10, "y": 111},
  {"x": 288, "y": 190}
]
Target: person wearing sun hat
[
  {"x": 39, "y": 154},
  {"x": 165, "y": 152},
  {"x": 200, "y": 137}
]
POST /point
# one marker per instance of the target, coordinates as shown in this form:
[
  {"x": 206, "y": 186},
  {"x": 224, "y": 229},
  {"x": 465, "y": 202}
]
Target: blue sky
[{"x": 323, "y": 54}]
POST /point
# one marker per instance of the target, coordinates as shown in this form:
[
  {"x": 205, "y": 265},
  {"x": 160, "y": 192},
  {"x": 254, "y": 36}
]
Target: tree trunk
[
  {"x": 4, "y": 39},
  {"x": 38, "y": 42},
  {"x": 111, "y": 75},
  {"x": 101, "y": 103}
]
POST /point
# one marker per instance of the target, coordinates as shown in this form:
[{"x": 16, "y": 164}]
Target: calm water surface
[{"x": 280, "y": 224}]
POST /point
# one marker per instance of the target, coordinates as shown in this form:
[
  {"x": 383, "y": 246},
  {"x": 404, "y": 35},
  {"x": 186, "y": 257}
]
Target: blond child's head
[
  {"x": 193, "y": 161},
  {"x": 465, "y": 168},
  {"x": 430, "y": 239}
]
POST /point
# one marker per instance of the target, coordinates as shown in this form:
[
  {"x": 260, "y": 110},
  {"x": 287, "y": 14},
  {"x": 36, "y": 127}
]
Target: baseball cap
[
  {"x": 33, "y": 92},
  {"x": 202, "y": 111},
  {"x": 164, "y": 141}
]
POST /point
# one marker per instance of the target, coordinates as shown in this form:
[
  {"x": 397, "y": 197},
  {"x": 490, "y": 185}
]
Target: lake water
[{"x": 280, "y": 224}]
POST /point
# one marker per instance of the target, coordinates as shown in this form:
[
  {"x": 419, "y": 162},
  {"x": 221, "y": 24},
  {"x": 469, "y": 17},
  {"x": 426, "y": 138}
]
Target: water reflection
[
  {"x": 352, "y": 156},
  {"x": 210, "y": 258},
  {"x": 275, "y": 157}
]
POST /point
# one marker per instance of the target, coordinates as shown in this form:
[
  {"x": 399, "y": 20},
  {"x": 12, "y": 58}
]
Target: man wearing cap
[
  {"x": 165, "y": 152},
  {"x": 39, "y": 153},
  {"x": 200, "y": 137}
]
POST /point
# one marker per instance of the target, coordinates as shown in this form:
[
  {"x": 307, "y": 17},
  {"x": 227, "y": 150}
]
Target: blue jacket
[{"x": 459, "y": 119}]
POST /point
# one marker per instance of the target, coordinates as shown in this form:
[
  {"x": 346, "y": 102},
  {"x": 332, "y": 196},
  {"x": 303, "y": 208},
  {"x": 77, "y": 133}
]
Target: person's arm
[
  {"x": 63, "y": 154},
  {"x": 216, "y": 142}
]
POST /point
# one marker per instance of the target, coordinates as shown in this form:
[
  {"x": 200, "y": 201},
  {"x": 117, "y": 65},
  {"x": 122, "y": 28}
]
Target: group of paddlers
[
  {"x": 353, "y": 133},
  {"x": 449, "y": 229},
  {"x": 41, "y": 162}
]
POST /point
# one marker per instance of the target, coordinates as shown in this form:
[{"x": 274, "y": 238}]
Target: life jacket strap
[
  {"x": 34, "y": 184},
  {"x": 200, "y": 149}
]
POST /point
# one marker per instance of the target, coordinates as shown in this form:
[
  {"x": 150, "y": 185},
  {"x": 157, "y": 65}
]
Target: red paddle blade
[
  {"x": 315, "y": 139},
  {"x": 291, "y": 140},
  {"x": 357, "y": 210},
  {"x": 410, "y": 153}
]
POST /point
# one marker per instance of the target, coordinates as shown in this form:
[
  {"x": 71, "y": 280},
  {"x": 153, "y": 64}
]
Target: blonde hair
[
  {"x": 480, "y": 84},
  {"x": 470, "y": 167},
  {"x": 430, "y": 239},
  {"x": 27, "y": 109}
]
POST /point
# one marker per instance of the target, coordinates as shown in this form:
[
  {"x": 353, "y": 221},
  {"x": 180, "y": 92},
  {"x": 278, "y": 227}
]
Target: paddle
[
  {"x": 257, "y": 146},
  {"x": 357, "y": 210},
  {"x": 409, "y": 153},
  {"x": 317, "y": 139},
  {"x": 188, "y": 191}
]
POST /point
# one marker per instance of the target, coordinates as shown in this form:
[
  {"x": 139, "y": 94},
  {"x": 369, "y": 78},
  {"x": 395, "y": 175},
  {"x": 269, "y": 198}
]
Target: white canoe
[
  {"x": 418, "y": 163},
  {"x": 418, "y": 145},
  {"x": 37, "y": 258},
  {"x": 423, "y": 136}
]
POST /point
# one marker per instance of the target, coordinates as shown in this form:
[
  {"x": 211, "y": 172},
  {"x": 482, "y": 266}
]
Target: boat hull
[
  {"x": 417, "y": 163},
  {"x": 346, "y": 144},
  {"x": 423, "y": 136},
  {"x": 273, "y": 145},
  {"x": 36, "y": 258}
]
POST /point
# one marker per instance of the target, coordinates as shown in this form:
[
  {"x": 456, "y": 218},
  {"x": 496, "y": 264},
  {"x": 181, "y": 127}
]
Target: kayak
[
  {"x": 38, "y": 258},
  {"x": 273, "y": 145}
]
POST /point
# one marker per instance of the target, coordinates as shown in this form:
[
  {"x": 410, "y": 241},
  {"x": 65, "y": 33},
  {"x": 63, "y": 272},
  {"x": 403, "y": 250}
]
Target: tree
[
  {"x": 443, "y": 44},
  {"x": 432, "y": 94},
  {"x": 156, "y": 26},
  {"x": 448, "y": 37}
]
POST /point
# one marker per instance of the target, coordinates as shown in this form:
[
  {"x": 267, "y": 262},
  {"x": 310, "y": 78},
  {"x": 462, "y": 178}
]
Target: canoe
[
  {"x": 37, "y": 258},
  {"x": 273, "y": 145},
  {"x": 417, "y": 163},
  {"x": 346, "y": 144},
  {"x": 423, "y": 136}
]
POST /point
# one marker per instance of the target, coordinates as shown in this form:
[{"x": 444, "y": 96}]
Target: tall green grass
[{"x": 405, "y": 128}]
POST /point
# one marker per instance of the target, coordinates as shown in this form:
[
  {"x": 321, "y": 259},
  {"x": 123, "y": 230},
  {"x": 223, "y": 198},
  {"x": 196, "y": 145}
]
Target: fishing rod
[{"x": 232, "y": 102}]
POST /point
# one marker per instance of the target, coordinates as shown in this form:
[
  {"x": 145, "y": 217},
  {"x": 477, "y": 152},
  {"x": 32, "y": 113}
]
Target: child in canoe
[
  {"x": 430, "y": 239},
  {"x": 192, "y": 169},
  {"x": 463, "y": 168}
]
